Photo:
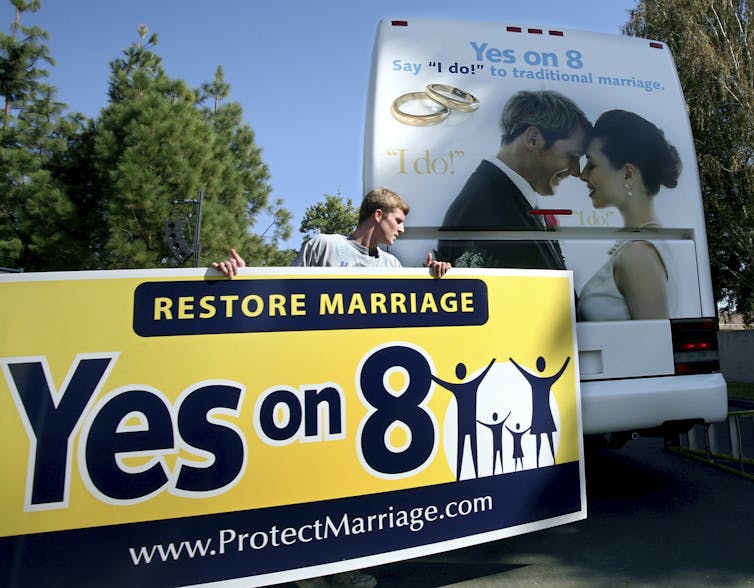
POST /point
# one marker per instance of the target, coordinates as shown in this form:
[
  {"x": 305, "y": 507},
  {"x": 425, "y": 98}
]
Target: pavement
[{"x": 654, "y": 519}]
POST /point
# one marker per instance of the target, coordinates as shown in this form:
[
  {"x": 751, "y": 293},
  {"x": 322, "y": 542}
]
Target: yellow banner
[{"x": 143, "y": 396}]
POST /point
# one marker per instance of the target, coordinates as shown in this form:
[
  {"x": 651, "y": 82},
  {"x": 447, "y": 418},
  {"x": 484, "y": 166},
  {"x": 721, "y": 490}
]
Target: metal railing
[{"x": 728, "y": 445}]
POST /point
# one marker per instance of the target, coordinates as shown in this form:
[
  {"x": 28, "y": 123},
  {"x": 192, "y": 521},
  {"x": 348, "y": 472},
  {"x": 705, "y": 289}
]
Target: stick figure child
[{"x": 518, "y": 449}]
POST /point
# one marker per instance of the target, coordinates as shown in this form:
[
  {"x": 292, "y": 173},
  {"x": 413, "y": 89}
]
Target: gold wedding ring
[
  {"x": 448, "y": 97},
  {"x": 439, "y": 93},
  {"x": 418, "y": 120}
]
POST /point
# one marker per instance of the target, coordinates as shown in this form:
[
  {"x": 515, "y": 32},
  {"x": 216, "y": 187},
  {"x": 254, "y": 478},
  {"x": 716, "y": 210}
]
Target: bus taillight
[{"x": 695, "y": 346}]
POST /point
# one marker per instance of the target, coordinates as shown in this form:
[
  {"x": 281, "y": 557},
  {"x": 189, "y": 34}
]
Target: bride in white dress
[{"x": 628, "y": 160}]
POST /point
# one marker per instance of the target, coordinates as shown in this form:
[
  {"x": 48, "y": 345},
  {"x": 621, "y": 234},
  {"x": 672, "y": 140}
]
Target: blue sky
[{"x": 300, "y": 69}]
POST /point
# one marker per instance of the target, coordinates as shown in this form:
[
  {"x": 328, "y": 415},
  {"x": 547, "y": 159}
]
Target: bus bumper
[{"x": 610, "y": 406}]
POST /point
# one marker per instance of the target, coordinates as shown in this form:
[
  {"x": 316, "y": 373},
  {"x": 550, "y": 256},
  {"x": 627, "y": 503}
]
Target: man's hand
[
  {"x": 230, "y": 267},
  {"x": 438, "y": 268}
]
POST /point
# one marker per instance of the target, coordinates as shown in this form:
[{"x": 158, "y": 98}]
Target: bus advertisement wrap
[
  {"x": 163, "y": 429},
  {"x": 441, "y": 95}
]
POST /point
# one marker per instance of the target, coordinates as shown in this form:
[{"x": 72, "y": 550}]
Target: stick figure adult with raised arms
[{"x": 465, "y": 394}]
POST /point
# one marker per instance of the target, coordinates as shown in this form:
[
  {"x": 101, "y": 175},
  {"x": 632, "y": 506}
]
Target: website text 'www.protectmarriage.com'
[{"x": 235, "y": 540}]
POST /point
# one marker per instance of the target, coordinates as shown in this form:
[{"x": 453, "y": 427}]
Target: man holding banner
[{"x": 381, "y": 221}]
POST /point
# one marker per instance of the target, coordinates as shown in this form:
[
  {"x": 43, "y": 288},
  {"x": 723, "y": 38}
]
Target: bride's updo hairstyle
[{"x": 629, "y": 138}]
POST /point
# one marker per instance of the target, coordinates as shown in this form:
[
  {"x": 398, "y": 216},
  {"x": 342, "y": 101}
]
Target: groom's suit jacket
[{"x": 491, "y": 201}]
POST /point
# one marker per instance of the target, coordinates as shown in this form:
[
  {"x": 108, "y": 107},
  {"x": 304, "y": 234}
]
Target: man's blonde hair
[{"x": 381, "y": 199}]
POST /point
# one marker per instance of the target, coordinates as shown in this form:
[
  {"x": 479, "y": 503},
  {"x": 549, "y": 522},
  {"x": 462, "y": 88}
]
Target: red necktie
[{"x": 551, "y": 220}]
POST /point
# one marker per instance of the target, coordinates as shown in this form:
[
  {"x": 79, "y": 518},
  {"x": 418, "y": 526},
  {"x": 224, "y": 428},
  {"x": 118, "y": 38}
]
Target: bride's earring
[{"x": 628, "y": 190}]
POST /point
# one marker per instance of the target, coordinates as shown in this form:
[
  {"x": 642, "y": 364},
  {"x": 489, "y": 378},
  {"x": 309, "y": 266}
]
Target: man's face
[
  {"x": 556, "y": 162},
  {"x": 390, "y": 226}
]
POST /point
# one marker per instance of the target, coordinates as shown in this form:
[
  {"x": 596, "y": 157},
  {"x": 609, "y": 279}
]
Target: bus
[{"x": 615, "y": 200}]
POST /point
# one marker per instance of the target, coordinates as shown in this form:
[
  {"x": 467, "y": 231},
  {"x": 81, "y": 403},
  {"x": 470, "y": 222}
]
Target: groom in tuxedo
[{"x": 543, "y": 138}]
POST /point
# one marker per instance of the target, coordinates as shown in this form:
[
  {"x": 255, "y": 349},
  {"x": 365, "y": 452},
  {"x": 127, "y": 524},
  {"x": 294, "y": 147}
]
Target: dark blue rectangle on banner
[
  {"x": 251, "y": 543},
  {"x": 268, "y": 305}
]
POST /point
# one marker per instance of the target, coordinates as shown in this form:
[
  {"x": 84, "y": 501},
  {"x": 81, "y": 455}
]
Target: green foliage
[
  {"x": 712, "y": 43},
  {"x": 157, "y": 143},
  {"x": 21, "y": 53},
  {"x": 741, "y": 391},
  {"x": 238, "y": 186},
  {"x": 79, "y": 194},
  {"x": 151, "y": 147},
  {"x": 331, "y": 215},
  {"x": 37, "y": 217}
]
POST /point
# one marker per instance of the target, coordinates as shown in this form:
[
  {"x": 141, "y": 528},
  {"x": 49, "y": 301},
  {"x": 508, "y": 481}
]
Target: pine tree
[
  {"x": 712, "y": 43},
  {"x": 156, "y": 146},
  {"x": 238, "y": 186},
  {"x": 37, "y": 216},
  {"x": 80, "y": 194},
  {"x": 151, "y": 147}
]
